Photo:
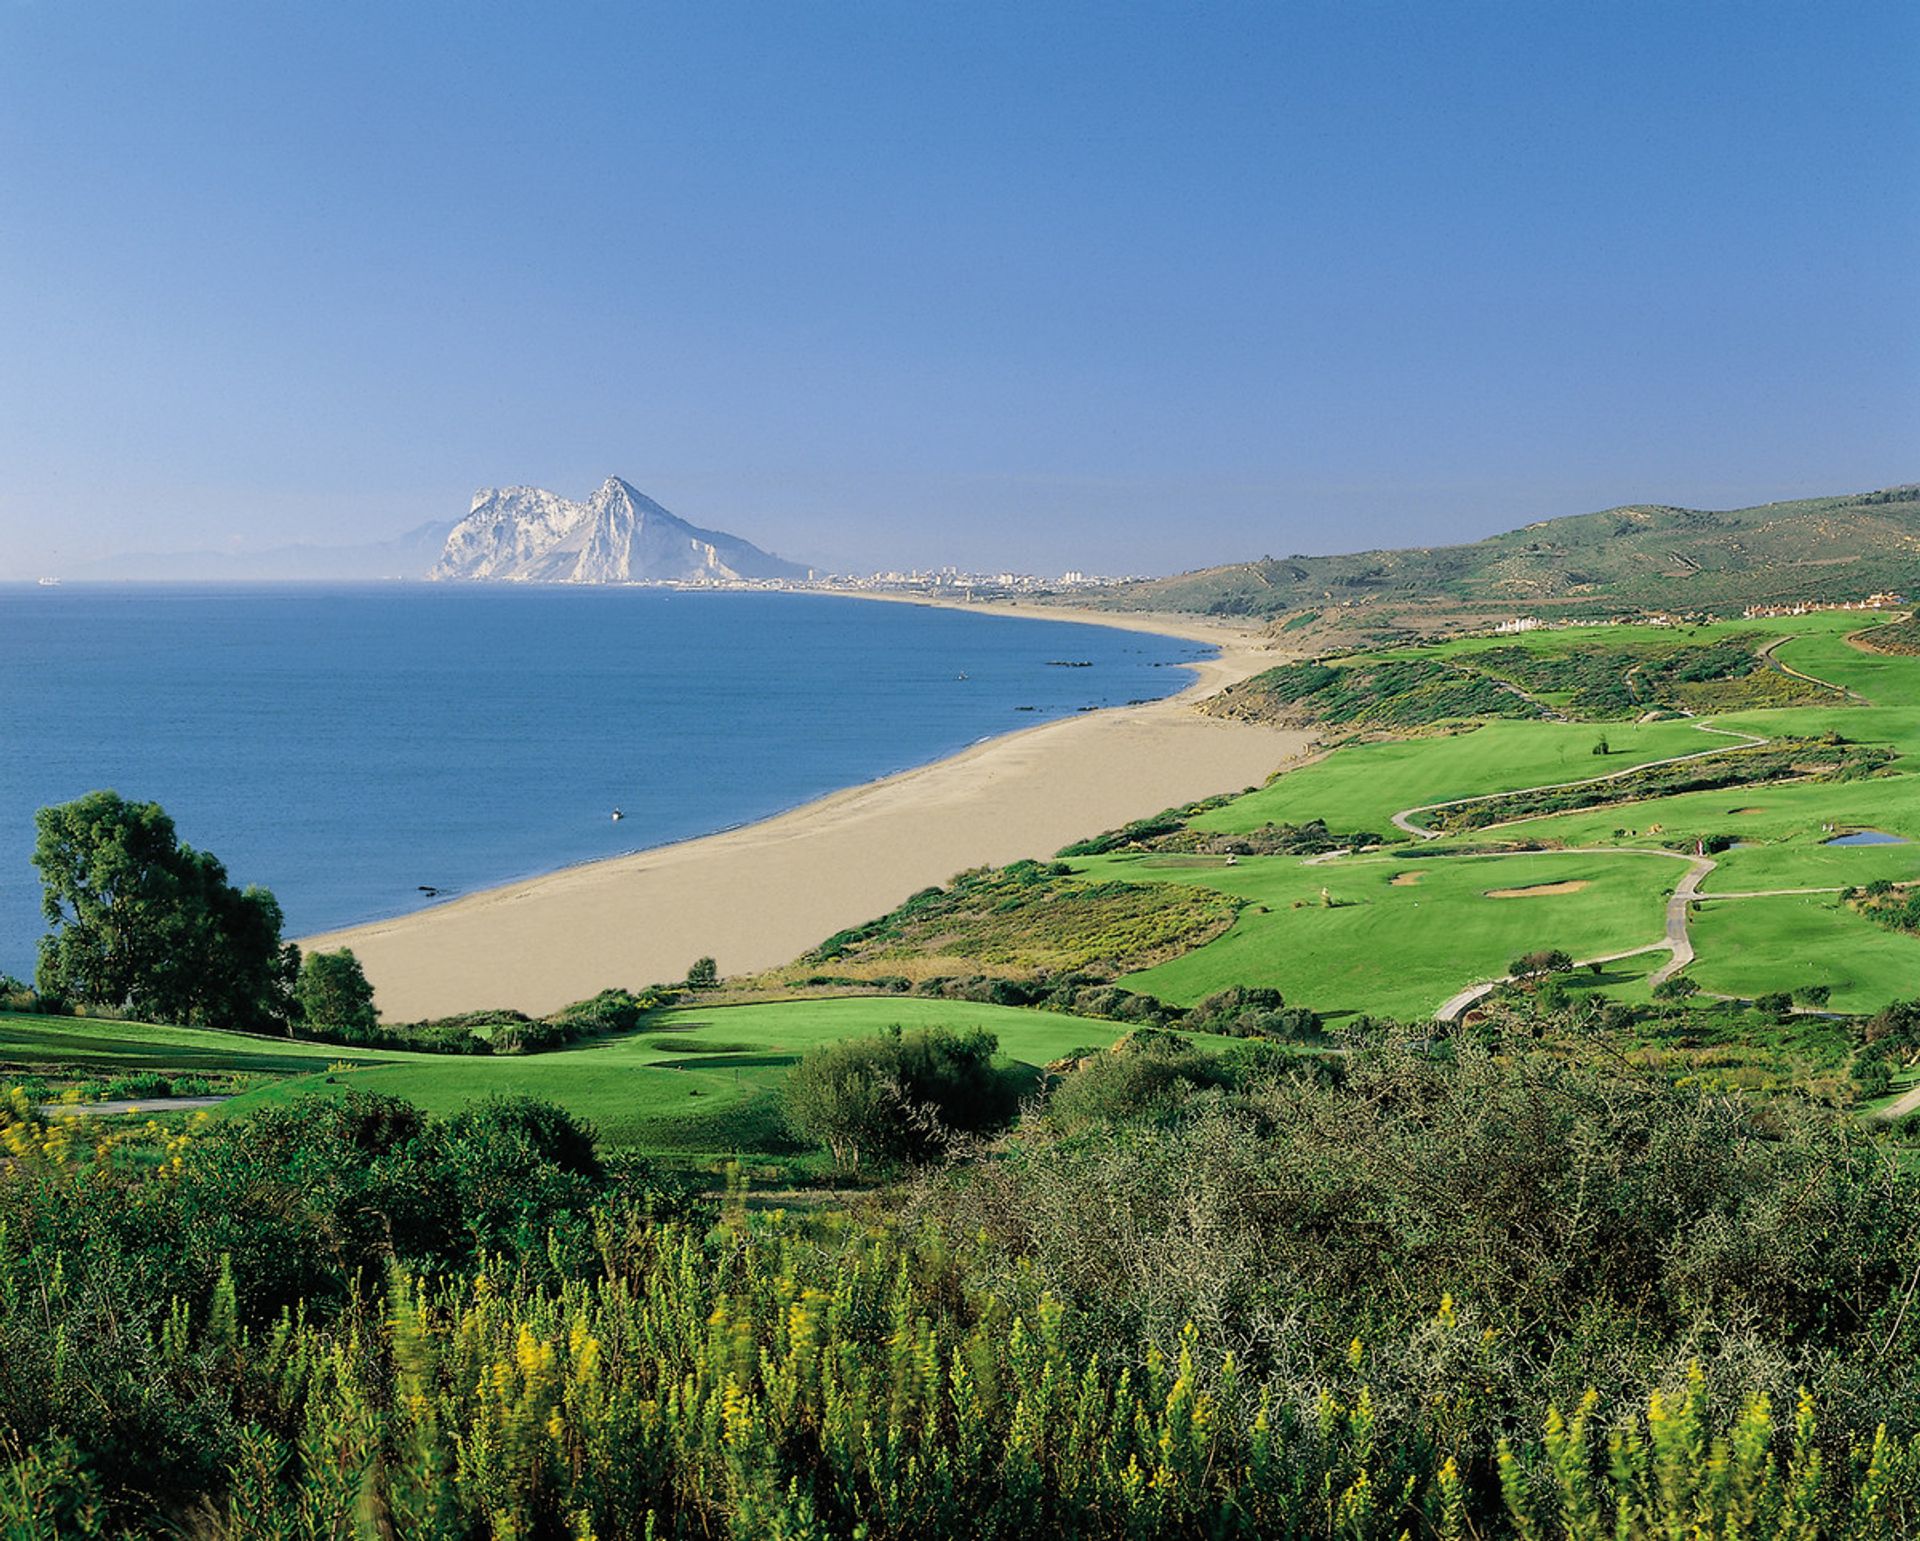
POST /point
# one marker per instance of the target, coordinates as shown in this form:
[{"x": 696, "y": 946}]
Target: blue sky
[{"x": 1126, "y": 287}]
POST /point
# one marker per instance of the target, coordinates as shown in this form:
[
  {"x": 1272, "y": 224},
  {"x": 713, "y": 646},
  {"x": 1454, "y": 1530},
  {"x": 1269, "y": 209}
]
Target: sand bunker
[
  {"x": 1406, "y": 879},
  {"x": 1539, "y": 890},
  {"x": 1739, "y": 813}
]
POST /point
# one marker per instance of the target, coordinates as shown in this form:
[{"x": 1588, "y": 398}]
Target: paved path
[
  {"x": 1902, "y": 1105},
  {"x": 1678, "y": 942},
  {"x": 1404, "y": 819},
  {"x": 1454, "y": 1005},
  {"x": 1766, "y": 652},
  {"x": 135, "y": 1105}
]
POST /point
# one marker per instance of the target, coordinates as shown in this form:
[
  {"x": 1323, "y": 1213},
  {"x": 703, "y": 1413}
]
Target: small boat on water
[
  {"x": 49, "y": 583},
  {"x": 618, "y": 815}
]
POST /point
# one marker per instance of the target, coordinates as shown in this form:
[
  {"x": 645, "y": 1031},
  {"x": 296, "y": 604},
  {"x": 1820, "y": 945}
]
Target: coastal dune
[{"x": 762, "y": 894}]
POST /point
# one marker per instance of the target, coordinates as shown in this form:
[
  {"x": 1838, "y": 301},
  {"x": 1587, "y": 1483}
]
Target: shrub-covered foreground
[{"x": 1499, "y": 1296}]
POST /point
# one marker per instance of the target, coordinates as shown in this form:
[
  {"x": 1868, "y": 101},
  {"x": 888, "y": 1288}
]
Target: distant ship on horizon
[{"x": 49, "y": 583}]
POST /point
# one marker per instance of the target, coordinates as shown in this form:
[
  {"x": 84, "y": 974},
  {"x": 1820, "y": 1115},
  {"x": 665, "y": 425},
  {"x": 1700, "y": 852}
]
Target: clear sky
[{"x": 1129, "y": 287}]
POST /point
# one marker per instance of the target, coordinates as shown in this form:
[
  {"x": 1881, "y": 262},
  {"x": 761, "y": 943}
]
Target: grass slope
[
  {"x": 1750, "y": 946},
  {"x": 1621, "y": 559},
  {"x": 1362, "y": 785},
  {"x": 1401, "y": 950},
  {"x": 703, "y": 1081},
  {"x": 27, "y": 1040},
  {"x": 1390, "y": 949}
]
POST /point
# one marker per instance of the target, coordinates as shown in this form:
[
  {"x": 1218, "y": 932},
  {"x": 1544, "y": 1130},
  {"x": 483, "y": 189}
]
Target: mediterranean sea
[{"x": 353, "y": 747}]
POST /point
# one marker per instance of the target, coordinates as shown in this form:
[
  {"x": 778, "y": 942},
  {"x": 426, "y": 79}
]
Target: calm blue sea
[{"x": 345, "y": 746}]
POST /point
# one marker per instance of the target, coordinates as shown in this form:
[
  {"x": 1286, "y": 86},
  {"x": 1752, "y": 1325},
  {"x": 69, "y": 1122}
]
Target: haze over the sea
[
  {"x": 1116, "y": 288},
  {"x": 344, "y": 746}
]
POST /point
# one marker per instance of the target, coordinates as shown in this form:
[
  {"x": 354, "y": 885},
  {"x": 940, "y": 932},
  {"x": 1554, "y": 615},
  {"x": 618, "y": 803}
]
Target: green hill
[{"x": 1635, "y": 558}]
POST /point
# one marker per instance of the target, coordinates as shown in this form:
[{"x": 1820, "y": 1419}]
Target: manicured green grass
[
  {"x": 1834, "y": 624},
  {"x": 1363, "y": 785},
  {"x": 1750, "y": 946},
  {"x": 1783, "y": 826},
  {"x": 124, "y": 1046},
  {"x": 695, "y": 1081},
  {"x": 1400, "y": 950},
  {"x": 1885, "y": 680}
]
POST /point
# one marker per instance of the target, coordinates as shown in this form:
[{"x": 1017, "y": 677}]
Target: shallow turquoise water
[{"x": 345, "y": 746}]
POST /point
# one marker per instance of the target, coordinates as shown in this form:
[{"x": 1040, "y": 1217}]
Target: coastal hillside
[
  {"x": 1642, "y": 557},
  {"x": 619, "y": 535}
]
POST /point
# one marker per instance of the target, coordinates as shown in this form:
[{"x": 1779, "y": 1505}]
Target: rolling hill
[{"x": 1633, "y": 558}]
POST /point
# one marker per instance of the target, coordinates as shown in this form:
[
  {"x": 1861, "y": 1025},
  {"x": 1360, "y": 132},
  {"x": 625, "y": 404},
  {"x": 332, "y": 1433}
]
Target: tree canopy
[
  {"x": 334, "y": 993},
  {"x": 143, "y": 922}
]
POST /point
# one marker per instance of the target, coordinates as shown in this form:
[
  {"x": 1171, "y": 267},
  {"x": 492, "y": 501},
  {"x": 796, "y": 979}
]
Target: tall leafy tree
[
  {"x": 334, "y": 992},
  {"x": 140, "y": 920}
]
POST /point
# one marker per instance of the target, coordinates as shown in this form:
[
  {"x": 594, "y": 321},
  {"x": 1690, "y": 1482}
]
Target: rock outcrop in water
[{"x": 617, "y": 536}]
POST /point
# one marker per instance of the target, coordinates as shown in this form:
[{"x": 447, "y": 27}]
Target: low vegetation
[
  {"x": 1110, "y": 1205},
  {"x": 1595, "y": 680},
  {"x": 1619, "y": 560},
  {"x": 1195, "y": 1294},
  {"x": 1364, "y": 694},
  {"x": 1028, "y": 918},
  {"x": 1830, "y": 759},
  {"x": 1898, "y": 639}
]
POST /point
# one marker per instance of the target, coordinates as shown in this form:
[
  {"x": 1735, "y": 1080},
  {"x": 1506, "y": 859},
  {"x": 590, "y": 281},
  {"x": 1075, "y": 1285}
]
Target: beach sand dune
[{"x": 760, "y": 895}]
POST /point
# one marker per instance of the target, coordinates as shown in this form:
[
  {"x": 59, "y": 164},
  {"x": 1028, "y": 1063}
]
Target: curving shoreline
[{"x": 761, "y": 894}]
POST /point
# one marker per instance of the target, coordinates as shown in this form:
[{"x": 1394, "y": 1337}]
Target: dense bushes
[
  {"x": 1336, "y": 1300},
  {"x": 1547, "y": 960},
  {"x": 502, "y": 1030},
  {"x": 900, "y": 1097},
  {"x": 1606, "y": 1228},
  {"x": 1363, "y": 692},
  {"x": 1893, "y": 905},
  {"x": 1149, "y": 1075},
  {"x": 1825, "y": 759},
  {"x": 297, "y": 1209},
  {"x": 1251, "y": 1011}
]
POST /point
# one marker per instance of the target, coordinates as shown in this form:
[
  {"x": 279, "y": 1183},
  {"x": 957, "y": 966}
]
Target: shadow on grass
[
  {"x": 754, "y": 1124},
  {"x": 728, "y": 1058}
]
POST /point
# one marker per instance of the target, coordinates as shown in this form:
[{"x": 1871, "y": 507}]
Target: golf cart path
[
  {"x": 1902, "y": 1105},
  {"x": 129, "y": 1105},
  {"x": 1403, "y": 820},
  {"x": 1845, "y": 691},
  {"x": 1676, "y": 941}
]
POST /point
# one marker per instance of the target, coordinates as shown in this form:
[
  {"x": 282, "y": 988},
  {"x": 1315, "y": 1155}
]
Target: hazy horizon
[{"x": 1040, "y": 288}]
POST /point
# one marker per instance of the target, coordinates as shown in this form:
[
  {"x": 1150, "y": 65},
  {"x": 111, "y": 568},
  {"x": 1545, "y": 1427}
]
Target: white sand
[{"x": 760, "y": 895}]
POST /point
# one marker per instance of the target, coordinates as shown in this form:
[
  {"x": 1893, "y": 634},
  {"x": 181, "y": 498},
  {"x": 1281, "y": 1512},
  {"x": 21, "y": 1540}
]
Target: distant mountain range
[
  {"x": 619, "y": 535},
  {"x": 406, "y": 556},
  {"x": 1642, "y": 557}
]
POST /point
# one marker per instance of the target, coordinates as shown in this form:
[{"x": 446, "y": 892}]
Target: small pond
[{"x": 1866, "y": 837}]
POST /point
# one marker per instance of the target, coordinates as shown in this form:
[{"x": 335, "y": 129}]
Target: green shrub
[{"x": 900, "y": 1097}]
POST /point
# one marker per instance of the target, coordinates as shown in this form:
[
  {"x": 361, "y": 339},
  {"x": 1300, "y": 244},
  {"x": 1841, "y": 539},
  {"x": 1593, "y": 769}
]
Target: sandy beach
[{"x": 760, "y": 895}]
